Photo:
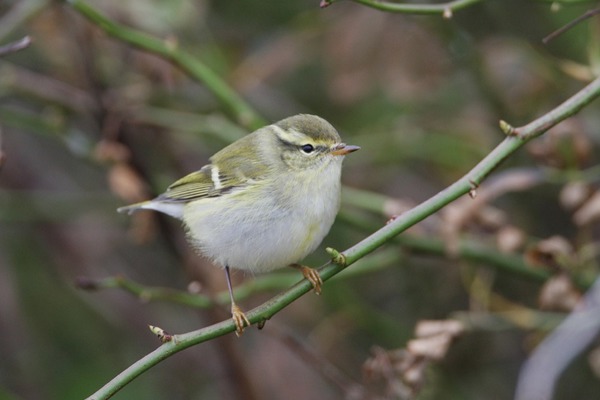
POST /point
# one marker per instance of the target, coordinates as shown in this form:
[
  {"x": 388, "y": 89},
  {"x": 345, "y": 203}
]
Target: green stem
[
  {"x": 148, "y": 293},
  {"x": 265, "y": 283},
  {"x": 366, "y": 246},
  {"x": 237, "y": 106},
  {"x": 445, "y": 9}
]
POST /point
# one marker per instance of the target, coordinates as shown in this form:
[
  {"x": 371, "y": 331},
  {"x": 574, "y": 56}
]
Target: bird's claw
[
  {"x": 313, "y": 276},
  {"x": 239, "y": 319}
]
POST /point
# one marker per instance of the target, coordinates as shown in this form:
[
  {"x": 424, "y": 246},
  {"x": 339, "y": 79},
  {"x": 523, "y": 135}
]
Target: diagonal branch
[
  {"x": 15, "y": 46},
  {"x": 468, "y": 184},
  {"x": 581, "y": 18},
  {"x": 445, "y": 9}
]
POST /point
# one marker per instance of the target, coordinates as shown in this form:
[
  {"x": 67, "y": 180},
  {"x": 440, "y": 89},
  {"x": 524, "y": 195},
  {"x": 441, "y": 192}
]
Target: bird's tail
[
  {"x": 174, "y": 209},
  {"x": 130, "y": 209}
]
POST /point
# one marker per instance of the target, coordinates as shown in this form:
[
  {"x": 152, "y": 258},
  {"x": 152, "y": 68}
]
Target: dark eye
[{"x": 307, "y": 148}]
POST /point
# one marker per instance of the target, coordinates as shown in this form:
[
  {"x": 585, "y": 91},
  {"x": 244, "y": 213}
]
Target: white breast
[{"x": 281, "y": 225}]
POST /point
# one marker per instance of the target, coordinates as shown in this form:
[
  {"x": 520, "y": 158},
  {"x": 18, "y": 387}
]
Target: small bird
[{"x": 264, "y": 202}]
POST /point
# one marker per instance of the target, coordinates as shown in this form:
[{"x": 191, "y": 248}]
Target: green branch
[
  {"x": 237, "y": 106},
  {"x": 467, "y": 184},
  {"x": 145, "y": 293},
  {"x": 470, "y": 182},
  {"x": 445, "y": 9},
  {"x": 471, "y": 252}
]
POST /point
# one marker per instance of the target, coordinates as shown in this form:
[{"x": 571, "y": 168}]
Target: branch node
[
  {"x": 392, "y": 219},
  {"x": 162, "y": 335},
  {"x": 261, "y": 324},
  {"x": 325, "y": 3},
  {"x": 473, "y": 190},
  {"x": 507, "y": 128},
  {"x": 336, "y": 257},
  {"x": 447, "y": 13}
]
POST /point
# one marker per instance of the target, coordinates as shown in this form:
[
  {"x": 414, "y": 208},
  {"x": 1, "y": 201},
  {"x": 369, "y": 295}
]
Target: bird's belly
[{"x": 258, "y": 239}]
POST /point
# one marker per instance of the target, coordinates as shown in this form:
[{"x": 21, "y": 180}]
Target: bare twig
[
  {"x": 317, "y": 362},
  {"x": 15, "y": 46},
  {"x": 560, "y": 31}
]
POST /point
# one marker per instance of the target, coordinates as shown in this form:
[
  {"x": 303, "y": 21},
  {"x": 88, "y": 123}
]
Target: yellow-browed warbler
[{"x": 264, "y": 202}]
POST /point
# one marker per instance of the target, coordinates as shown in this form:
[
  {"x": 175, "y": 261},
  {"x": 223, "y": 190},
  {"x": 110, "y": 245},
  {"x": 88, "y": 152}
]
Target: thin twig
[
  {"x": 560, "y": 31},
  {"x": 460, "y": 188},
  {"x": 445, "y": 9},
  {"x": 317, "y": 362},
  {"x": 485, "y": 255},
  {"x": 15, "y": 46}
]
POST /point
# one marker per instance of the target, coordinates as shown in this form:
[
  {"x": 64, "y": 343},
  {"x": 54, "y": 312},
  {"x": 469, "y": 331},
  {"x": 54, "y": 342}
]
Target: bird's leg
[
  {"x": 312, "y": 275},
  {"x": 238, "y": 316}
]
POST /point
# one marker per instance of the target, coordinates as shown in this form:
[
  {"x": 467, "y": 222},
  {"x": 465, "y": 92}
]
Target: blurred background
[{"x": 89, "y": 123}]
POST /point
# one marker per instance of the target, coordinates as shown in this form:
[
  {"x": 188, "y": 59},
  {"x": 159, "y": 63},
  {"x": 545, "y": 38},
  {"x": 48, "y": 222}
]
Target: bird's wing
[
  {"x": 236, "y": 166},
  {"x": 200, "y": 184},
  {"x": 210, "y": 181}
]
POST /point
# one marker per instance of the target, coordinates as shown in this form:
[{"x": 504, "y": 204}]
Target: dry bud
[
  {"x": 589, "y": 211},
  {"x": 510, "y": 239},
  {"x": 574, "y": 194},
  {"x": 559, "y": 294}
]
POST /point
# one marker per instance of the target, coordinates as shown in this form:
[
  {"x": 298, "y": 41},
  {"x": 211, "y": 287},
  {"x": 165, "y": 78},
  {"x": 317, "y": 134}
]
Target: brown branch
[{"x": 560, "y": 31}]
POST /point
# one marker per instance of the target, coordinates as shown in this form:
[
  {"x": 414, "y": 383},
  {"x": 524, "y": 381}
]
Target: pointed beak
[{"x": 342, "y": 149}]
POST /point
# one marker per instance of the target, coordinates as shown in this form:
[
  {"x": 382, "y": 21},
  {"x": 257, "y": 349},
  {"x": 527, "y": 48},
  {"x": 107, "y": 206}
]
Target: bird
[{"x": 263, "y": 202}]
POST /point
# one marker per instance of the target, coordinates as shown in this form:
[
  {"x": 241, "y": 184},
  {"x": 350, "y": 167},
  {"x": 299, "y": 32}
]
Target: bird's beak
[{"x": 342, "y": 149}]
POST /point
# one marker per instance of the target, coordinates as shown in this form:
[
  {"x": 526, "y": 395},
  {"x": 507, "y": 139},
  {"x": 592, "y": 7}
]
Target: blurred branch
[
  {"x": 45, "y": 88},
  {"x": 583, "y": 17},
  {"x": 214, "y": 125},
  {"x": 145, "y": 293},
  {"x": 264, "y": 283},
  {"x": 522, "y": 318},
  {"x": 15, "y": 46},
  {"x": 446, "y": 9},
  {"x": 170, "y": 51},
  {"x": 20, "y": 12},
  {"x": 541, "y": 371},
  {"x": 466, "y": 250},
  {"x": 516, "y": 138},
  {"x": 317, "y": 362},
  {"x": 488, "y": 256}
]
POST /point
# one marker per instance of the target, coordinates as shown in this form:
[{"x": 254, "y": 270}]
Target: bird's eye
[{"x": 307, "y": 148}]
